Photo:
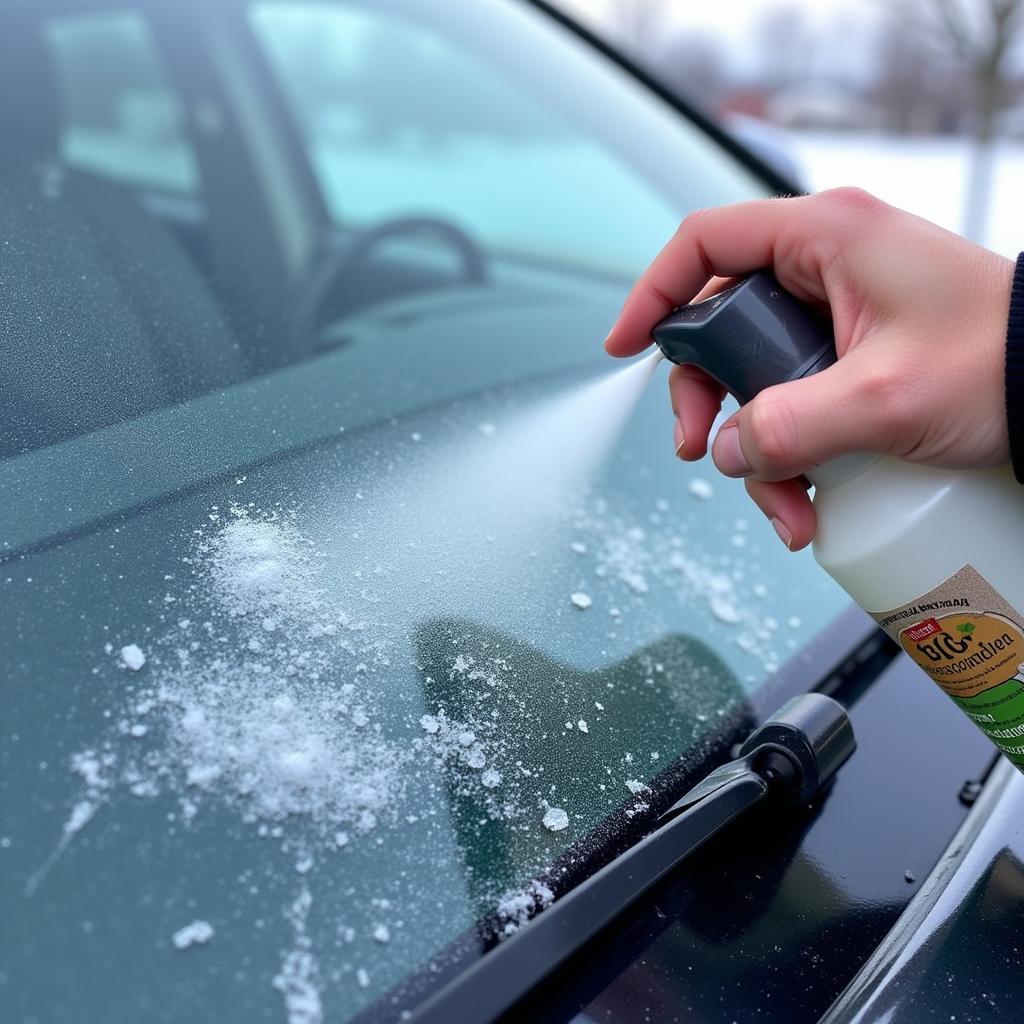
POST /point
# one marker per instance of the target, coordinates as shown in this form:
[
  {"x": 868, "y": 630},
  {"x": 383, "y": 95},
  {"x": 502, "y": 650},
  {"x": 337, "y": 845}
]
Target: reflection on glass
[{"x": 524, "y": 738}]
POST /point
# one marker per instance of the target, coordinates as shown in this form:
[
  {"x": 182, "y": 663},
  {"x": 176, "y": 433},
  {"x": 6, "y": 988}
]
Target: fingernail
[
  {"x": 677, "y": 433},
  {"x": 728, "y": 454},
  {"x": 783, "y": 531}
]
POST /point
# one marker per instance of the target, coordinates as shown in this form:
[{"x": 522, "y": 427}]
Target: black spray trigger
[{"x": 748, "y": 337}]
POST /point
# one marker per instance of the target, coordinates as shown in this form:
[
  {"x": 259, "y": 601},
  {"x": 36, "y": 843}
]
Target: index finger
[{"x": 727, "y": 241}]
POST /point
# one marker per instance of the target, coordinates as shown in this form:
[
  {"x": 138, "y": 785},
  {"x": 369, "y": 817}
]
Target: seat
[{"x": 103, "y": 316}]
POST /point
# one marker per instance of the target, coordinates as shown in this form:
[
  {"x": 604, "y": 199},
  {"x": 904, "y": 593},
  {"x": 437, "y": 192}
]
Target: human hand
[{"x": 919, "y": 316}]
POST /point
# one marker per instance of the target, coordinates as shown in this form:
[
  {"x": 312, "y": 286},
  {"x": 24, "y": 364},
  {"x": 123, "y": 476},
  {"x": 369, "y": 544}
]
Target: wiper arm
[
  {"x": 792, "y": 756},
  {"x": 795, "y": 752}
]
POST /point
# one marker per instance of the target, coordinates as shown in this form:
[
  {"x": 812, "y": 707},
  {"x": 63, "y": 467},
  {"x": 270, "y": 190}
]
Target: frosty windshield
[{"x": 332, "y": 645}]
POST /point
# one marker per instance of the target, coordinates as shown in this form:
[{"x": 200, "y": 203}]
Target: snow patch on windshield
[
  {"x": 95, "y": 771},
  {"x": 195, "y": 934},
  {"x": 555, "y": 819},
  {"x": 518, "y": 906},
  {"x": 639, "y": 558},
  {"x": 262, "y": 567},
  {"x": 241, "y": 708},
  {"x": 277, "y": 747},
  {"x": 268, "y": 699},
  {"x": 298, "y": 978},
  {"x": 132, "y": 656}
]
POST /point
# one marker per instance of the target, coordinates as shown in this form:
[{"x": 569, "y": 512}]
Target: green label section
[{"x": 999, "y": 713}]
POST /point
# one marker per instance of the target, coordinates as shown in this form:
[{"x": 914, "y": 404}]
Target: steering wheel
[{"x": 341, "y": 262}]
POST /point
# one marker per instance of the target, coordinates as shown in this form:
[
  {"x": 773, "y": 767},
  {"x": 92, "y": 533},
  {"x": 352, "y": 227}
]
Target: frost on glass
[{"x": 415, "y": 680}]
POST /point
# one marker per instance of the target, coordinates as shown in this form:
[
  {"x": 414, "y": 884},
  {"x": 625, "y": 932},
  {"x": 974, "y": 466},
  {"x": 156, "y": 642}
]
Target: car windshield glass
[{"x": 339, "y": 626}]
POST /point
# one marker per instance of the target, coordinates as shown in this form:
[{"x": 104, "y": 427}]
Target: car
[{"x": 356, "y": 618}]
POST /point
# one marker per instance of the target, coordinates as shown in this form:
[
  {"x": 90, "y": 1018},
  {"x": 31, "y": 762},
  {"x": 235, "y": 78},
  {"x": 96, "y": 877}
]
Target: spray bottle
[{"x": 935, "y": 556}]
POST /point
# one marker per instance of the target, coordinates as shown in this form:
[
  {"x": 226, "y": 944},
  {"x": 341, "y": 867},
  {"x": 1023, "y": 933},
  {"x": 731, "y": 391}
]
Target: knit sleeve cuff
[{"x": 1015, "y": 371}]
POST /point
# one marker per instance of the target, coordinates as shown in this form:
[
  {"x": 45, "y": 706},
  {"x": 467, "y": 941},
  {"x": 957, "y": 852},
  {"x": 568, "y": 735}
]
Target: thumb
[{"x": 789, "y": 429}]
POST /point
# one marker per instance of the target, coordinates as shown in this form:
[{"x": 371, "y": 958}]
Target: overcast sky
[
  {"x": 732, "y": 18},
  {"x": 846, "y": 29},
  {"x": 736, "y": 21}
]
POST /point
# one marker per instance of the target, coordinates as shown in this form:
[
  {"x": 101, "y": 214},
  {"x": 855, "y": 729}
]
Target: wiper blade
[{"x": 792, "y": 756}]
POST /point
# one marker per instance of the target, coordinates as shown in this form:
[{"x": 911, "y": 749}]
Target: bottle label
[{"x": 970, "y": 640}]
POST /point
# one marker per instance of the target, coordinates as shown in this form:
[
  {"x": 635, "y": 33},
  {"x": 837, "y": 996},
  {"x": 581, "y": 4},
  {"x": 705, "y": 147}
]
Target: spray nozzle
[{"x": 748, "y": 337}]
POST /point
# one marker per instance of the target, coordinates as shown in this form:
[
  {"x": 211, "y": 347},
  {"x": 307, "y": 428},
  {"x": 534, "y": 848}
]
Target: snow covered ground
[{"x": 926, "y": 176}]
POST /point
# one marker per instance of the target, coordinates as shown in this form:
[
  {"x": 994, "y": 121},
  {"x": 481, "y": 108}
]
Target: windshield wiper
[{"x": 791, "y": 757}]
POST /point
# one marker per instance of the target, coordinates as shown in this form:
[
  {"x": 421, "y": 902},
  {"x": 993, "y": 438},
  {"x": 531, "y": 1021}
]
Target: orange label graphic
[
  {"x": 970, "y": 640},
  {"x": 966, "y": 652}
]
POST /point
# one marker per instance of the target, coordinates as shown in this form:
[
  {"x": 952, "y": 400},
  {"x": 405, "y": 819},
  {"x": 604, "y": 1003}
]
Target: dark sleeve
[{"x": 1015, "y": 371}]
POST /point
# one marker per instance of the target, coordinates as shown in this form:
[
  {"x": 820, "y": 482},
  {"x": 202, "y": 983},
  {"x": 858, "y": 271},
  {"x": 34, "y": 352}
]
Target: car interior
[
  {"x": 103, "y": 302},
  {"x": 199, "y": 194},
  {"x": 132, "y": 285}
]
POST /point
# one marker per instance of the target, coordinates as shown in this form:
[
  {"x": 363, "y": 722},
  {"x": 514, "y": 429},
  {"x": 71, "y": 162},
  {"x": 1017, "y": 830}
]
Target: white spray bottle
[{"x": 935, "y": 556}]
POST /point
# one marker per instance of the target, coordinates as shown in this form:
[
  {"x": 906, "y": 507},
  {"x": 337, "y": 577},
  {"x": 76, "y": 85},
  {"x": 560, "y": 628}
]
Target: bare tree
[
  {"x": 786, "y": 44},
  {"x": 694, "y": 65},
  {"x": 979, "y": 36},
  {"x": 917, "y": 89}
]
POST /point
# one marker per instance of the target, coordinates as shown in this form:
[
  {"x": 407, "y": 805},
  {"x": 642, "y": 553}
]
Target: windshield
[{"x": 340, "y": 626}]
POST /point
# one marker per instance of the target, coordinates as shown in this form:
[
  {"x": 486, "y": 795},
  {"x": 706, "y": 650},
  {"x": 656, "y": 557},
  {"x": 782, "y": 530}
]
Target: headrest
[{"x": 29, "y": 101}]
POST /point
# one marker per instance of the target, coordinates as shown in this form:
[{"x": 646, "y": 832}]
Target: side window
[{"x": 121, "y": 119}]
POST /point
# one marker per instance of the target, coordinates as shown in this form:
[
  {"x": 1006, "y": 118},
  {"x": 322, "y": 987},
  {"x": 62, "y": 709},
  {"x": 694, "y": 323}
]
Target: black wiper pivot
[
  {"x": 791, "y": 756},
  {"x": 794, "y": 753}
]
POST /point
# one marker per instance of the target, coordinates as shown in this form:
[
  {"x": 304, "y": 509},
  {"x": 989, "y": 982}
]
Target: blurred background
[{"x": 918, "y": 101}]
